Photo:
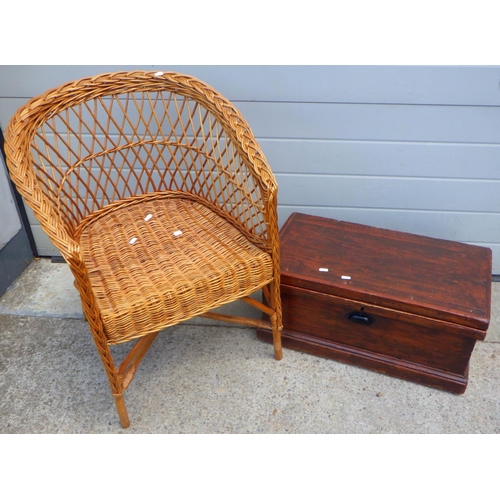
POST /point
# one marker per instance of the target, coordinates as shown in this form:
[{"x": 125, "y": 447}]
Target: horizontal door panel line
[
  {"x": 365, "y": 103},
  {"x": 339, "y": 175},
  {"x": 410, "y": 178},
  {"x": 384, "y": 209},
  {"x": 424, "y": 142},
  {"x": 334, "y": 140},
  {"x": 237, "y": 102},
  {"x": 379, "y": 142},
  {"x": 347, "y": 140}
]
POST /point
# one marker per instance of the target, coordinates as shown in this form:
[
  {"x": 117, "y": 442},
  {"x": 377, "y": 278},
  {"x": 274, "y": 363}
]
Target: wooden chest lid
[{"x": 430, "y": 277}]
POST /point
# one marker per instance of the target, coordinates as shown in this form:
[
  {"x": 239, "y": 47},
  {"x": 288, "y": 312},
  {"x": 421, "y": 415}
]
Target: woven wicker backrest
[{"x": 96, "y": 141}]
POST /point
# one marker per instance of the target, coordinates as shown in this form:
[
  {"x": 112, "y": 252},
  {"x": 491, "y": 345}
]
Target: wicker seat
[{"x": 152, "y": 187}]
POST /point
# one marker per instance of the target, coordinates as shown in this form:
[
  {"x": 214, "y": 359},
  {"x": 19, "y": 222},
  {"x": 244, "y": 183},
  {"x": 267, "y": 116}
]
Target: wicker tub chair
[{"x": 154, "y": 190}]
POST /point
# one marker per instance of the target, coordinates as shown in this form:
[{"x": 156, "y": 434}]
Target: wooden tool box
[{"x": 401, "y": 304}]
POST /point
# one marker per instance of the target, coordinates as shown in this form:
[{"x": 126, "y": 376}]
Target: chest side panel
[{"x": 393, "y": 334}]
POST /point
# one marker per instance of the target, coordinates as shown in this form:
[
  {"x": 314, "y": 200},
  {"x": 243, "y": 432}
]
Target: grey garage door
[{"x": 410, "y": 148}]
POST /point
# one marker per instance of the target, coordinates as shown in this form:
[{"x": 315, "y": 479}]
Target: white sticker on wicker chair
[
  {"x": 177, "y": 233},
  {"x": 132, "y": 241},
  {"x": 148, "y": 217},
  {"x": 159, "y": 73}
]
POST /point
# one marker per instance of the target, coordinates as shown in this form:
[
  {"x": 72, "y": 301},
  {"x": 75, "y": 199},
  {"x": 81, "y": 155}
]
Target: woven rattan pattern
[
  {"x": 156, "y": 263},
  {"x": 86, "y": 155}
]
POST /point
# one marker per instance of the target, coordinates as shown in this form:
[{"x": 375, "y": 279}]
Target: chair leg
[
  {"x": 122, "y": 410},
  {"x": 114, "y": 377},
  {"x": 273, "y": 297},
  {"x": 278, "y": 350}
]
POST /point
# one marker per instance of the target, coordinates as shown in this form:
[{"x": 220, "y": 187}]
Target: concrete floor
[{"x": 203, "y": 378}]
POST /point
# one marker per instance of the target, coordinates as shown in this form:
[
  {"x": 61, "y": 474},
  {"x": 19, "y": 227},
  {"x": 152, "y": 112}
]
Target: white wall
[
  {"x": 415, "y": 149},
  {"x": 10, "y": 224}
]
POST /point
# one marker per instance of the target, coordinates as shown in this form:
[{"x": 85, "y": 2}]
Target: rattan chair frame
[{"x": 91, "y": 147}]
